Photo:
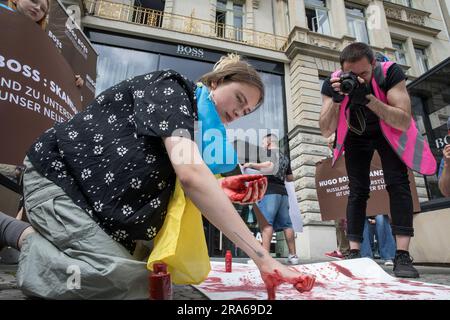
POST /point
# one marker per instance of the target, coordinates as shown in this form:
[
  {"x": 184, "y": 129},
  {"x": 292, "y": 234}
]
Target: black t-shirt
[
  {"x": 110, "y": 159},
  {"x": 394, "y": 75},
  {"x": 275, "y": 183}
]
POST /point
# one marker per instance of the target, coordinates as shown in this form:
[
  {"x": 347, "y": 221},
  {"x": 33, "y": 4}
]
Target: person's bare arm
[
  {"x": 444, "y": 180},
  {"x": 201, "y": 187},
  {"x": 264, "y": 167},
  {"x": 329, "y": 116},
  {"x": 397, "y": 113}
]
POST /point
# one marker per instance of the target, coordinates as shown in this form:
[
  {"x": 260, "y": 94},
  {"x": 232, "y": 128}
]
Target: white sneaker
[
  {"x": 292, "y": 259},
  {"x": 389, "y": 263}
]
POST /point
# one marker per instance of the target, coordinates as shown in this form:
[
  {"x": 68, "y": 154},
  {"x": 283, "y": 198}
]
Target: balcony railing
[{"x": 185, "y": 24}]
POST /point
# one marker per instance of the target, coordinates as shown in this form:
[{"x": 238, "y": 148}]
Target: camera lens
[{"x": 347, "y": 86}]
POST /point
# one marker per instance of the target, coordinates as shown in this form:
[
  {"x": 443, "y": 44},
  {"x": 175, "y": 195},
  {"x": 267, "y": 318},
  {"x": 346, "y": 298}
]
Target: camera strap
[{"x": 361, "y": 120}]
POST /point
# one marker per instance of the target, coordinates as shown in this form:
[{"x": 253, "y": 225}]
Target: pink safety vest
[{"x": 409, "y": 145}]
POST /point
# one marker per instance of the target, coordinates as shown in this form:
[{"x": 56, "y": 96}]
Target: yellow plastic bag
[{"x": 181, "y": 242}]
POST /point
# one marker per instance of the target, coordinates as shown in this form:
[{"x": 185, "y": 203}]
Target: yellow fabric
[{"x": 181, "y": 242}]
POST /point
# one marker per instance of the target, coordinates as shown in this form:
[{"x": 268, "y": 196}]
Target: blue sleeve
[
  {"x": 441, "y": 168},
  {"x": 6, "y": 7}
]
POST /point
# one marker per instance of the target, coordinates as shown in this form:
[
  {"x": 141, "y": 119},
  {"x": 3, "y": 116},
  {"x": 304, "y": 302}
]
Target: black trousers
[{"x": 359, "y": 151}]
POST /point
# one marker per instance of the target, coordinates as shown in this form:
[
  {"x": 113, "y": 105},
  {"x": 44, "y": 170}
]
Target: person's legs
[
  {"x": 343, "y": 244},
  {"x": 283, "y": 222},
  {"x": 366, "y": 248},
  {"x": 338, "y": 233},
  {"x": 386, "y": 242},
  {"x": 397, "y": 185},
  {"x": 358, "y": 156},
  {"x": 13, "y": 231},
  {"x": 70, "y": 256},
  {"x": 267, "y": 233},
  {"x": 268, "y": 206},
  {"x": 373, "y": 243},
  {"x": 289, "y": 235}
]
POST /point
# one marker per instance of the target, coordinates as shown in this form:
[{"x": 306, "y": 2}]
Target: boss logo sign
[
  {"x": 190, "y": 51},
  {"x": 442, "y": 142}
]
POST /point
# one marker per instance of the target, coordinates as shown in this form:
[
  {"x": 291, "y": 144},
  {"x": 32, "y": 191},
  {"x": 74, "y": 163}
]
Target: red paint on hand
[
  {"x": 246, "y": 188},
  {"x": 302, "y": 283}
]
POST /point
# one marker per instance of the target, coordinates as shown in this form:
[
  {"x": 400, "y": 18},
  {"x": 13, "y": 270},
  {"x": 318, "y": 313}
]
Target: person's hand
[
  {"x": 247, "y": 165},
  {"x": 338, "y": 96},
  {"x": 330, "y": 141},
  {"x": 274, "y": 273},
  {"x": 79, "y": 81},
  {"x": 360, "y": 96},
  {"x": 244, "y": 188},
  {"x": 446, "y": 153}
]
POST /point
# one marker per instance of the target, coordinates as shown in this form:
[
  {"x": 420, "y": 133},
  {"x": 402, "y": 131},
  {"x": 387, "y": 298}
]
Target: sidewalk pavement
[{"x": 9, "y": 290}]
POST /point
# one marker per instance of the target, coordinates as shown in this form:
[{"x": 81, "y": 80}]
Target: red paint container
[
  {"x": 228, "y": 260},
  {"x": 160, "y": 285}
]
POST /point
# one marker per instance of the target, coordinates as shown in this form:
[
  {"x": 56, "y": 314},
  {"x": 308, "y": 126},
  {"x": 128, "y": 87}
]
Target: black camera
[{"x": 349, "y": 82}]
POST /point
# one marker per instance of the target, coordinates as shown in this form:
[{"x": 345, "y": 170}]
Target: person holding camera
[{"x": 368, "y": 106}]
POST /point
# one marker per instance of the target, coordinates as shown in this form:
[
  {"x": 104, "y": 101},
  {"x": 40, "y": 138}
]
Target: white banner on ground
[{"x": 357, "y": 279}]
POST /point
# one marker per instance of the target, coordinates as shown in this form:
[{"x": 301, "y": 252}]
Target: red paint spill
[
  {"x": 251, "y": 287},
  {"x": 214, "y": 279},
  {"x": 302, "y": 283},
  {"x": 423, "y": 285},
  {"x": 320, "y": 284},
  {"x": 343, "y": 270},
  {"x": 411, "y": 293}
]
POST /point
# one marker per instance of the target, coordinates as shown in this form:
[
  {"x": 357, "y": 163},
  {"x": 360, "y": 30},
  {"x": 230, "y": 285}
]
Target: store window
[
  {"x": 430, "y": 101},
  {"x": 117, "y": 64}
]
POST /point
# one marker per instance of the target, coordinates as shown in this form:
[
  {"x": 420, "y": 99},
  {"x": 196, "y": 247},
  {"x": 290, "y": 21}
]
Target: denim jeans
[
  {"x": 383, "y": 234},
  {"x": 359, "y": 150},
  {"x": 275, "y": 208}
]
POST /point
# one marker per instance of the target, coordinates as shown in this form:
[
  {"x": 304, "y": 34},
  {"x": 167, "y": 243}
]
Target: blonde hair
[
  {"x": 42, "y": 22},
  {"x": 231, "y": 68}
]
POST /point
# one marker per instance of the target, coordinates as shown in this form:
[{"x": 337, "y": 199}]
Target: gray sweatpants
[{"x": 70, "y": 256}]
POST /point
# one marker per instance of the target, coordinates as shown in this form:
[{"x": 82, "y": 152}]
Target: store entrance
[{"x": 218, "y": 243}]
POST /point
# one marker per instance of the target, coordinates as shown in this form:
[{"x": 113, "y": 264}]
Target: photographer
[{"x": 367, "y": 105}]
